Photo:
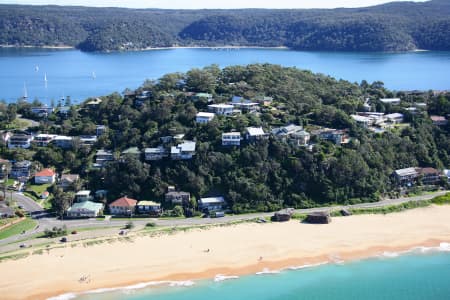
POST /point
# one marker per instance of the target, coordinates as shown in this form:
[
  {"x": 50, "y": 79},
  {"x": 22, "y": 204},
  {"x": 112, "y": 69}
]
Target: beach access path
[{"x": 13, "y": 242}]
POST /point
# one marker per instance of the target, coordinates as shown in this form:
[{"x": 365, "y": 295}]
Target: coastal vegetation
[
  {"x": 17, "y": 228},
  {"x": 389, "y": 27},
  {"x": 263, "y": 176}
]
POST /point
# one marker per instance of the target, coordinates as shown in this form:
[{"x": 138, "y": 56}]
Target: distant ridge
[{"x": 395, "y": 26}]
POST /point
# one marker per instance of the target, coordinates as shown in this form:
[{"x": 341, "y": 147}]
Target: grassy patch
[
  {"x": 13, "y": 256},
  {"x": 15, "y": 229},
  {"x": 441, "y": 200},
  {"x": 391, "y": 208}
]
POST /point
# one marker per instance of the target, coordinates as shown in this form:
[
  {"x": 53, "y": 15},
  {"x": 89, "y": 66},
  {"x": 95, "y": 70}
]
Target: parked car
[
  {"x": 23, "y": 245},
  {"x": 63, "y": 240}
]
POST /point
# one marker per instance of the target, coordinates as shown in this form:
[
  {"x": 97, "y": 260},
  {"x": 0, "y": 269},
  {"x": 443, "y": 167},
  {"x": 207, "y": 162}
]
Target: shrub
[
  {"x": 150, "y": 224},
  {"x": 129, "y": 225}
]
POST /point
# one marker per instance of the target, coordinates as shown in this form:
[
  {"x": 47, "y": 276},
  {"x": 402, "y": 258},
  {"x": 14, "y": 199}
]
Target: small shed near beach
[{"x": 320, "y": 217}]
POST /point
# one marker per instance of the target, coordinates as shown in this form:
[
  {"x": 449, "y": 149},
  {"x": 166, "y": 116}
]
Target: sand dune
[{"x": 233, "y": 250}]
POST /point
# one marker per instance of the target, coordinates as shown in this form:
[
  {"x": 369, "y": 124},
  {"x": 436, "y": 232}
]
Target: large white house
[
  {"x": 204, "y": 117},
  {"x": 221, "y": 109},
  {"x": 184, "y": 150},
  {"x": 20, "y": 141},
  {"x": 211, "y": 204},
  {"x": 231, "y": 139}
]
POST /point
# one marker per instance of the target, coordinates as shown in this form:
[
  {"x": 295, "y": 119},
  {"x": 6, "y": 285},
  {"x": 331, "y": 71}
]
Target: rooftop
[
  {"x": 205, "y": 115},
  {"x": 45, "y": 173},
  {"x": 148, "y": 203},
  {"x": 83, "y": 193},
  {"x": 212, "y": 200},
  {"x": 87, "y": 205},
  {"x": 255, "y": 131},
  {"x": 124, "y": 202},
  {"x": 406, "y": 172}
]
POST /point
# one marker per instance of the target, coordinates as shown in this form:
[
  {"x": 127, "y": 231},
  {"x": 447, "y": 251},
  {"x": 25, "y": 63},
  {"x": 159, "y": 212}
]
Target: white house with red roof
[
  {"x": 123, "y": 206},
  {"x": 45, "y": 176}
]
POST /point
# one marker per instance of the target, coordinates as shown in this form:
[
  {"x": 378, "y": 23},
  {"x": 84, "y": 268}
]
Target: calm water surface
[{"x": 81, "y": 75}]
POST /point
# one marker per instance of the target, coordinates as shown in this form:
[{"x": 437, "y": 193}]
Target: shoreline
[
  {"x": 203, "y": 254},
  {"x": 266, "y": 268}
]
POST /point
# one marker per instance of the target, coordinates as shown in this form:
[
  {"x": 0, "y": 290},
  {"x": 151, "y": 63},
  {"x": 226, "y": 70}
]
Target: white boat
[
  {"x": 45, "y": 80},
  {"x": 93, "y": 75},
  {"x": 36, "y": 68},
  {"x": 25, "y": 92}
]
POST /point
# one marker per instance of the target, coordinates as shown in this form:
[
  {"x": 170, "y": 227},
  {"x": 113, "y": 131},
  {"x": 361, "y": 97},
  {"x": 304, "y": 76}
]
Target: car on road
[
  {"x": 23, "y": 245},
  {"x": 63, "y": 240}
]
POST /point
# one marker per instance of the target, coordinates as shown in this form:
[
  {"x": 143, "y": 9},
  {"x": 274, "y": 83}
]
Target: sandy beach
[{"x": 229, "y": 250}]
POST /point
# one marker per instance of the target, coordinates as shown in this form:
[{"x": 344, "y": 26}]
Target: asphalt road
[{"x": 47, "y": 222}]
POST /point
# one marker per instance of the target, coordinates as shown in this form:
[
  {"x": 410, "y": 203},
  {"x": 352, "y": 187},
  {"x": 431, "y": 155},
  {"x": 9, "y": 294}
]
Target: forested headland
[
  {"x": 391, "y": 27},
  {"x": 261, "y": 176}
]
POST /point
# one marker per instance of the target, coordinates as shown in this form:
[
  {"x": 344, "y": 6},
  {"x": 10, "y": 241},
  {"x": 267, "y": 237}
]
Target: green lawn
[
  {"x": 38, "y": 189},
  {"x": 15, "y": 229}
]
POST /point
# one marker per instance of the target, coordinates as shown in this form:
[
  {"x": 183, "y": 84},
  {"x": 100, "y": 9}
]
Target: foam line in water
[
  {"x": 307, "y": 266},
  {"x": 220, "y": 277},
  {"x": 266, "y": 271}
]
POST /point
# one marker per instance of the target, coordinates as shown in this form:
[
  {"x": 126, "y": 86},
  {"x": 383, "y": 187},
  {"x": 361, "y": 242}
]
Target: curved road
[{"x": 45, "y": 222}]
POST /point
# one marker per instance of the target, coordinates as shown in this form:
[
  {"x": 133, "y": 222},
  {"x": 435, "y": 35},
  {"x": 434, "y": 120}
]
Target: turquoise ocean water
[
  {"x": 82, "y": 75},
  {"x": 411, "y": 276}
]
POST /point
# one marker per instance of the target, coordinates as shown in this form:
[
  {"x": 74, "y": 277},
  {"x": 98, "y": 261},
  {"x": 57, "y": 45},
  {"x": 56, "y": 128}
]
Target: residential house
[
  {"x": 246, "y": 106},
  {"x": 264, "y": 100},
  {"x": 4, "y": 165},
  {"x": 21, "y": 169},
  {"x": 211, "y": 204},
  {"x": 132, "y": 152},
  {"x": 6, "y": 211},
  {"x": 20, "y": 141},
  {"x": 391, "y": 101},
  {"x": 204, "y": 117},
  {"x": 103, "y": 156},
  {"x": 68, "y": 180},
  {"x": 406, "y": 177},
  {"x": 177, "y": 197},
  {"x": 123, "y": 206},
  {"x": 82, "y": 196},
  {"x": 338, "y": 137},
  {"x": 42, "y": 111},
  {"x": 45, "y": 176},
  {"x": 221, "y": 109},
  {"x": 395, "y": 118},
  {"x": 149, "y": 208},
  {"x": 64, "y": 142},
  {"x": 231, "y": 139},
  {"x": 185, "y": 150},
  {"x": 208, "y": 97},
  {"x": 293, "y": 134},
  {"x": 42, "y": 140},
  {"x": 86, "y": 209},
  {"x": 255, "y": 133},
  {"x": 63, "y": 111},
  {"x": 87, "y": 140},
  {"x": 429, "y": 176},
  {"x": 439, "y": 120},
  {"x": 94, "y": 103},
  {"x": 363, "y": 121},
  {"x": 100, "y": 130},
  {"x": 155, "y": 153}
]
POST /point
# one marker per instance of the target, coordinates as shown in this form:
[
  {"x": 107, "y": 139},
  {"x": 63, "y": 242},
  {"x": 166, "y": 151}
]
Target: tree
[{"x": 61, "y": 201}]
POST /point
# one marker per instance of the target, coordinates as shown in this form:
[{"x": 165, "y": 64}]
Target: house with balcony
[
  {"x": 390, "y": 101},
  {"x": 293, "y": 134},
  {"x": 153, "y": 154},
  {"x": 150, "y": 208},
  {"x": 204, "y": 117},
  {"x": 62, "y": 141},
  {"x": 177, "y": 197},
  {"x": 439, "y": 120},
  {"x": 231, "y": 139},
  {"x": 22, "y": 141},
  {"x": 100, "y": 130},
  {"x": 21, "y": 169},
  {"x": 68, "y": 180},
  {"x": 103, "y": 156},
  {"x": 211, "y": 204},
  {"x": 338, "y": 137},
  {"x": 82, "y": 196},
  {"x": 254, "y": 134},
  {"x": 406, "y": 177},
  {"x": 185, "y": 150},
  {"x": 429, "y": 176},
  {"x": 221, "y": 109},
  {"x": 42, "y": 140}
]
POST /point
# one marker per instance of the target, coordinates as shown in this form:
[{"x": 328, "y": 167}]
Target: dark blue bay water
[
  {"x": 407, "y": 277},
  {"x": 81, "y": 75}
]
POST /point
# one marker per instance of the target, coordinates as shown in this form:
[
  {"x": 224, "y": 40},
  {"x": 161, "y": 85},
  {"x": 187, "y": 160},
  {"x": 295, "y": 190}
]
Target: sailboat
[
  {"x": 45, "y": 80},
  {"x": 25, "y": 92},
  {"x": 36, "y": 68},
  {"x": 93, "y": 75}
]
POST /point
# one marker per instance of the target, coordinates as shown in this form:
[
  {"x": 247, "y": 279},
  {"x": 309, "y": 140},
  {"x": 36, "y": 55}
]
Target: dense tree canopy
[{"x": 389, "y": 27}]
